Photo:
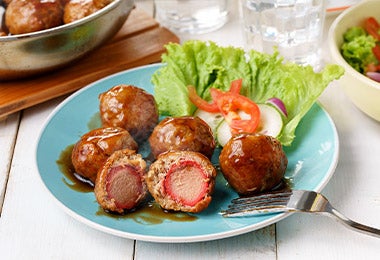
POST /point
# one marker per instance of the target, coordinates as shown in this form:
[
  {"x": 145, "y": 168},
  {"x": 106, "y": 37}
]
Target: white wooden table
[{"x": 32, "y": 226}]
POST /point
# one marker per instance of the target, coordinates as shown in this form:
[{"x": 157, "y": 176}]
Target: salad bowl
[{"x": 362, "y": 91}]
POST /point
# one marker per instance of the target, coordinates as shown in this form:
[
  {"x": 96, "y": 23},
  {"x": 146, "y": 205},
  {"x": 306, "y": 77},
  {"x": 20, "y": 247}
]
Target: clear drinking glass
[
  {"x": 192, "y": 16},
  {"x": 295, "y": 27}
]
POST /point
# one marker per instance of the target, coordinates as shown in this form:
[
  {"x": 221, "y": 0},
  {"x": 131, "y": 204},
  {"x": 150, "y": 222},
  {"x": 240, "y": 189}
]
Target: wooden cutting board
[{"x": 139, "y": 42}]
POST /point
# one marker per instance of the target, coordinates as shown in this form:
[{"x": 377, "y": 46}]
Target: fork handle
[{"x": 354, "y": 225}]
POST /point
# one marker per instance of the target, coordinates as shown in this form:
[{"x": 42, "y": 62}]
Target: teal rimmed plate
[{"x": 312, "y": 159}]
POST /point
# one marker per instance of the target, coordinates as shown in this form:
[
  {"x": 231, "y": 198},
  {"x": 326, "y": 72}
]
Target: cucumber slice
[
  {"x": 270, "y": 124},
  {"x": 270, "y": 121},
  {"x": 212, "y": 119},
  {"x": 223, "y": 133}
]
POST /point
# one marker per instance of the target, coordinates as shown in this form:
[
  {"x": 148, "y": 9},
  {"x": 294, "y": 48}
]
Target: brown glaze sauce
[
  {"x": 71, "y": 179},
  {"x": 150, "y": 213}
]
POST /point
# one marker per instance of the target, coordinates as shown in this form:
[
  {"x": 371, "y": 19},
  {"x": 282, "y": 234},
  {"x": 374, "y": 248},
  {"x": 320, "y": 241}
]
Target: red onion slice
[
  {"x": 374, "y": 75},
  {"x": 276, "y": 102}
]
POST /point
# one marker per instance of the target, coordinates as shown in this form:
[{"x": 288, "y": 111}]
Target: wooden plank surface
[{"x": 140, "y": 41}]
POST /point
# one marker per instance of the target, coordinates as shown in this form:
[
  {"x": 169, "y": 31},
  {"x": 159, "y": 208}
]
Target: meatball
[
  {"x": 33, "y": 15},
  {"x": 93, "y": 149},
  {"x": 78, "y": 9},
  {"x": 102, "y": 3},
  {"x": 253, "y": 163},
  {"x": 182, "y": 181},
  {"x": 120, "y": 184},
  {"x": 131, "y": 108},
  {"x": 182, "y": 134}
]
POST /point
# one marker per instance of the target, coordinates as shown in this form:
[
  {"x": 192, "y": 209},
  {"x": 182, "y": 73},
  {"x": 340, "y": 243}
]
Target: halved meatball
[
  {"x": 120, "y": 184},
  {"x": 182, "y": 181},
  {"x": 182, "y": 134},
  {"x": 94, "y": 147},
  {"x": 131, "y": 108}
]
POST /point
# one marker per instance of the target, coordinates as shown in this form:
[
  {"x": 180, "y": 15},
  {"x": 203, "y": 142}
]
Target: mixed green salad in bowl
[
  {"x": 353, "y": 44},
  {"x": 361, "y": 48}
]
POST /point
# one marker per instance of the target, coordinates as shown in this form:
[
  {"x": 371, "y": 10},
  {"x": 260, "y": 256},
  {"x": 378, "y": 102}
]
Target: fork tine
[
  {"x": 265, "y": 196},
  {"x": 258, "y": 204}
]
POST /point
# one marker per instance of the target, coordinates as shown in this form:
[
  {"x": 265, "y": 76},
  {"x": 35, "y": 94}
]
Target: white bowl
[{"x": 363, "y": 91}]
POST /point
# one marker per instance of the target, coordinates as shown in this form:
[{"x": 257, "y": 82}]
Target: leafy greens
[{"x": 205, "y": 65}]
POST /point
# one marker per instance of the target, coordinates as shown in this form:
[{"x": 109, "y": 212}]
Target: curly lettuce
[
  {"x": 205, "y": 65},
  {"x": 357, "y": 48}
]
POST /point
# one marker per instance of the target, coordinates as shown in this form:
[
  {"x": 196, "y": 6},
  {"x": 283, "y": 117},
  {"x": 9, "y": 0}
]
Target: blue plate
[{"x": 312, "y": 160}]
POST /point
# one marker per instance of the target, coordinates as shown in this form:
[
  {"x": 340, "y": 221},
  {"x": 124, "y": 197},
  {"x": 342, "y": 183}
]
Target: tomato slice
[
  {"x": 201, "y": 103},
  {"x": 236, "y": 86},
  {"x": 376, "y": 52},
  {"x": 372, "y": 27},
  {"x": 230, "y": 104}
]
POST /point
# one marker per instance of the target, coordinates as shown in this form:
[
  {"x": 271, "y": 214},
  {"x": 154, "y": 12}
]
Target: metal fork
[{"x": 292, "y": 201}]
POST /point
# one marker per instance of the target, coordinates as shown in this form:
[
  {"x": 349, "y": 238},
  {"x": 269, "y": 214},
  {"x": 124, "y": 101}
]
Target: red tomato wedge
[
  {"x": 229, "y": 104},
  {"x": 372, "y": 27},
  {"x": 376, "y": 52},
  {"x": 201, "y": 103},
  {"x": 236, "y": 86}
]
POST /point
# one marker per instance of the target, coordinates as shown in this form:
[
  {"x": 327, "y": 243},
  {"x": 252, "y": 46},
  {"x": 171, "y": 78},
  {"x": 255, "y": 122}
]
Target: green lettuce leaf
[
  {"x": 357, "y": 48},
  {"x": 205, "y": 65}
]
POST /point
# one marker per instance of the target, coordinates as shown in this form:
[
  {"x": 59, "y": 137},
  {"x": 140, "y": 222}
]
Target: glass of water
[
  {"x": 192, "y": 16},
  {"x": 294, "y": 27}
]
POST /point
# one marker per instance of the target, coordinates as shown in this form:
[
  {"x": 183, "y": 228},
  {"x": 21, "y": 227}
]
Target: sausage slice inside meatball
[
  {"x": 182, "y": 181},
  {"x": 120, "y": 184}
]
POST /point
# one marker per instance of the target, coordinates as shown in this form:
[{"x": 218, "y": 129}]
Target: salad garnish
[{"x": 205, "y": 65}]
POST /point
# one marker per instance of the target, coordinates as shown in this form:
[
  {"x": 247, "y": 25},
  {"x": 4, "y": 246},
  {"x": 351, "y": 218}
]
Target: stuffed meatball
[
  {"x": 93, "y": 149},
  {"x": 120, "y": 184},
  {"x": 182, "y": 181}
]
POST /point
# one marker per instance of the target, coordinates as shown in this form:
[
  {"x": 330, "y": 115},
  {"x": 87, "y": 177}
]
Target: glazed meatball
[
  {"x": 33, "y": 15},
  {"x": 182, "y": 181},
  {"x": 182, "y": 134},
  {"x": 120, "y": 184},
  {"x": 102, "y": 3},
  {"x": 93, "y": 149},
  {"x": 131, "y": 108},
  {"x": 6, "y": 2},
  {"x": 78, "y": 9},
  {"x": 253, "y": 163}
]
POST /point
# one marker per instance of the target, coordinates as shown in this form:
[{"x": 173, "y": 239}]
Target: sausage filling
[
  {"x": 186, "y": 183},
  {"x": 124, "y": 185}
]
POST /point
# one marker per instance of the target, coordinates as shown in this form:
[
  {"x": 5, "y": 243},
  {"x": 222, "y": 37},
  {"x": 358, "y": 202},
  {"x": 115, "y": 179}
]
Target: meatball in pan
[
  {"x": 182, "y": 181},
  {"x": 78, "y": 9},
  {"x": 33, "y": 15},
  {"x": 94, "y": 147}
]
